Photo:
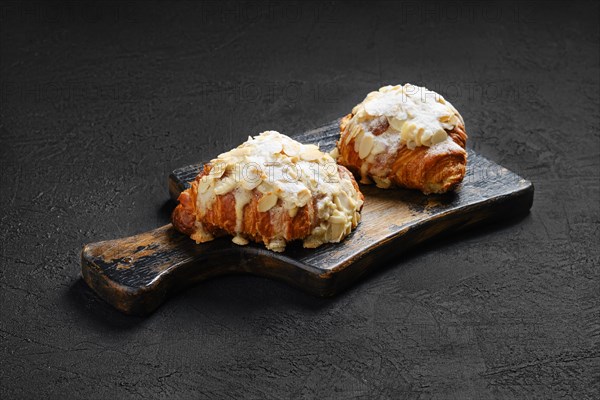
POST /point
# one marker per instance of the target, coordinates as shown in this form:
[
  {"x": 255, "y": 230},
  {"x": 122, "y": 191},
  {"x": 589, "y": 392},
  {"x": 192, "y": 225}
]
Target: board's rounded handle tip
[{"x": 136, "y": 274}]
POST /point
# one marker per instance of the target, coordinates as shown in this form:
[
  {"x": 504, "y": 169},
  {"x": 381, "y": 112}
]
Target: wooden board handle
[{"x": 137, "y": 273}]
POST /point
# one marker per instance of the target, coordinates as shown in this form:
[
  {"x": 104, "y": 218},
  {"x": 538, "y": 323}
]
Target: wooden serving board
[{"x": 136, "y": 274}]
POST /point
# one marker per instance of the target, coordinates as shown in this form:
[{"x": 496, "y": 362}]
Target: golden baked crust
[{"x": 274, "y": 227}]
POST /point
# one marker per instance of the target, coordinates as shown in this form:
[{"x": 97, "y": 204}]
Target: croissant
[
  {"x": 271, "y": 189},
  {"x": 406, "y": 136}
]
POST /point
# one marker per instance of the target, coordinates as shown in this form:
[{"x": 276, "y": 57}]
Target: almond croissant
[
  {"x": 271, "y": 189},
  {"x": 405, "y": 136}
]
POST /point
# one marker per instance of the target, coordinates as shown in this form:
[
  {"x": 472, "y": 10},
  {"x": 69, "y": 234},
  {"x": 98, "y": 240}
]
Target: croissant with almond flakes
[
  {"x": 405, "y": 136},
  {"x": 271, "y": 189}
]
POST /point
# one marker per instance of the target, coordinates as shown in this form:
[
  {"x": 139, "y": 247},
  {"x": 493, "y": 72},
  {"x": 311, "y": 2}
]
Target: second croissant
[{"x": 406, "y": 136}]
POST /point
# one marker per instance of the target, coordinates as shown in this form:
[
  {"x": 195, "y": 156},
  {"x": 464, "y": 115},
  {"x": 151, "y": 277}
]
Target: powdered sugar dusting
[{"x": 444, "y": 147}]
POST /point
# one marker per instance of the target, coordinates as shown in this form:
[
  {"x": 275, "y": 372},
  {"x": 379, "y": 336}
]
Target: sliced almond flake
[
  {"x": 336, "y": 232},
  {"x": 303, "y": 197},
  {"x": 267, "y": 202},
  {"x": 310, "y": 153},
  {"x": 225, "y": 185},
  {"x": 357, "y": 141},
  {"x": 366, "y": 145},
  {"x": 439, "y": 136},
  {"x": 344, "y": 202},
  {"x": 291, "y": 149},
  {"x": 204, "y": 184},
  {"x": 337, "y": 218},
  {"x": 426, "y": 138}
]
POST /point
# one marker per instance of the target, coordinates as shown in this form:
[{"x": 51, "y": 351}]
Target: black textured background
[{"x": 101, "y": 101}]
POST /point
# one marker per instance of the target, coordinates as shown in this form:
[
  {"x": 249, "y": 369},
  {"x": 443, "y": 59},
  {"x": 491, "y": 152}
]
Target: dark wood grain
[{"x": 136, "y": 274}]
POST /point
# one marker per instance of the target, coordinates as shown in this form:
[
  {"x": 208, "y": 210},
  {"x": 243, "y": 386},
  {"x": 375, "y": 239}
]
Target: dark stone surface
[{"x": 100, "y": 102}]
